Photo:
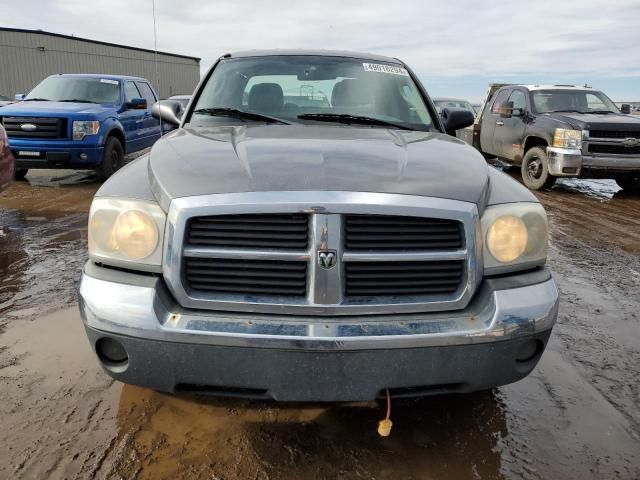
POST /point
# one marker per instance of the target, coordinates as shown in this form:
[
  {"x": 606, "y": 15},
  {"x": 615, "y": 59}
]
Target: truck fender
[{"x": 112, "y": 126}]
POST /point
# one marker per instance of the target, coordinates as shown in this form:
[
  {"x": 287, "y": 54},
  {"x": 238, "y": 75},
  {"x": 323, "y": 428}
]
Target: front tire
[
  {"x": 629, "y": 183},
  {"x": 21, "y": 173},
  {"x": 535, "y": 169},
  {"x": 112, "y": 159}
]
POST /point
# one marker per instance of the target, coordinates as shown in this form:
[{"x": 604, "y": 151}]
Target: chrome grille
[
  {"x": 266, "y": 277},
  {"x": 44, "y": 127},
  {"x": 284, "y": 231},
  {"x": 403, "y": 278},
  {"x": 341, "y": 253},
  {"x": 386, "y": 232}
]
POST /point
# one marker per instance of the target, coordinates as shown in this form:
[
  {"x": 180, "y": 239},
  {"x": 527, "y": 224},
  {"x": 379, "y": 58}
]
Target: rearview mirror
[
  {"x": 19, "y": 97},
  {"x": 137, "y": 104},
  {"x": 455, "y": 119},
  {"x": 625, "y": 108},
  {"x": 168, "y": 111}
]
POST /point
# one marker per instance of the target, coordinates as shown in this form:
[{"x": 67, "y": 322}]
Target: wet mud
[{"x": 576, "y": 416}]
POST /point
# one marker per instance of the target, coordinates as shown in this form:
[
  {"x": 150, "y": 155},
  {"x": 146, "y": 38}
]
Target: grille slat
[
  {"x": 266, "y": 231},
  {"x": 614, "y": 149},
  {"x": 403, "y": 278},
  {"x": 613, "y": 134},
  {"x": 385, "y": 232},
  {"x": 241, "y": 276},
  {"x": 45, "y": 127}
]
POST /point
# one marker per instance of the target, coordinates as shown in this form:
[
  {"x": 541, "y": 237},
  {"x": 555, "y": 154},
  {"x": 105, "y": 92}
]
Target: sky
[{"x": 456, "y": 47}]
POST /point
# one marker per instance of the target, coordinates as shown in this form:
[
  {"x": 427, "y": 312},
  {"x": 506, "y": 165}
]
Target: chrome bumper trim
[
  {"x": 149, "y": 312},
  {"x": 563, "y": 159}
]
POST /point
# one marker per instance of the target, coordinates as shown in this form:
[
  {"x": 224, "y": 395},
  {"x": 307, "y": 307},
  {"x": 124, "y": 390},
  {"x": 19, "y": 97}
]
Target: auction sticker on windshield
[
  {"x": 382, "y": 68},
  {"x": 107, "y": 80}
]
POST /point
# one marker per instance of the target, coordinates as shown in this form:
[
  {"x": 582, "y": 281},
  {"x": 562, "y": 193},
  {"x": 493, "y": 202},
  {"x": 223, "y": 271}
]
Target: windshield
[
  {"x": 287, "y": 87},
  {"x": 90, "y": 90},
  {"x": 583, "y": 101},
  {"x": 442, "y": 104}
]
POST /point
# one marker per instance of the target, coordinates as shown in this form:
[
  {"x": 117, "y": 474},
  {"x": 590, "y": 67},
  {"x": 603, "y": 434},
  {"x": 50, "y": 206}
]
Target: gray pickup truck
[
  {"x": 554, "y": 131},
  {"x": 312, "y": 231}
]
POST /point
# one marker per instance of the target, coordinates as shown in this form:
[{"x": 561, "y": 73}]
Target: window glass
[
  {"x": 519, "y": 99},
  {"x": 579, "y": 101},
  {"x": 500, "y": 99},
  {"x": 131, "y": 92},
  {"x": 146, "y": 92},
  {"x": 287, "y": 87},
  {"x": 62, "y": 88}
]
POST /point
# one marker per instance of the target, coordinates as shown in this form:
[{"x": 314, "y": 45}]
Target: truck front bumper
[
  {"x": 55, "y": 154},
  {"x": 569, "y": 162},
  {"x": 497, "y": 339}
]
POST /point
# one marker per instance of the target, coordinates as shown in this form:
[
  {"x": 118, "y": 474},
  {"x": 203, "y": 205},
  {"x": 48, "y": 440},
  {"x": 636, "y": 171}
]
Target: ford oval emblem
[{"x": 28, "y": 127}]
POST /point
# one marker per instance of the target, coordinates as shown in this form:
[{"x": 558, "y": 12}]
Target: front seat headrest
[{"x": 266, "y": 97}]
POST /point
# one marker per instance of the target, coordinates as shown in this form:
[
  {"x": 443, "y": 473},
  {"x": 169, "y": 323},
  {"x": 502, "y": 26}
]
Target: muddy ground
[{"x": 576, "y": 416}]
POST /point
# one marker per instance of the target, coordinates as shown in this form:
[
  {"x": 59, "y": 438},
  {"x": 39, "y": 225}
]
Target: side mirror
[
  {"x": 456, "y": 119},
  {"x": 625, "y": 108},
  {"x": 19, "y": 97},
  {"x": 137, "y": 104},
  {"x": 168, "y": 111}
]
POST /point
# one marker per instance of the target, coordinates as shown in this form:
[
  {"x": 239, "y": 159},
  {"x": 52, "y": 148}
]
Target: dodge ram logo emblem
[
  {"x": 327, "y": 258},
  {"x": 28, "y": 127},
  {"x": 631, "y": 142}
]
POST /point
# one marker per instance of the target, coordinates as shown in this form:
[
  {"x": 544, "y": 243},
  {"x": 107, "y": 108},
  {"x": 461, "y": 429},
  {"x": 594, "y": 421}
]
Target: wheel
[
  {"x": 21, "y": 173},
  {"x": 629, "y": 182},
  {"x": 535, "y": 169},
  {"x": 112, "y": 159}
]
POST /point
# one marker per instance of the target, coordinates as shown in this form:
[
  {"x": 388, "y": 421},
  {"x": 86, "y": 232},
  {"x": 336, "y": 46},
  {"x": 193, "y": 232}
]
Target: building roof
[
  {"x": 302, "y": 52},
  {"x": 96, "y": 42}
]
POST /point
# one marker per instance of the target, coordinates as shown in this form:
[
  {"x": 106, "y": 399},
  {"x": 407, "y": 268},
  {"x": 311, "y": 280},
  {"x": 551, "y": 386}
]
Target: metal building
[{"x": 28, "y": 56}]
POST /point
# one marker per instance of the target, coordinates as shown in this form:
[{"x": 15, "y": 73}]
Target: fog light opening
[
  {"x": 529, "y": 351},
  {"x": 111, "y": 352}
]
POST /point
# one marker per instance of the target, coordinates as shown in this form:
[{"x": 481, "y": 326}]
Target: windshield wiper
[
  {"x": 76, "y": 100},
  {"x": 36, "y": 100},
  {"x": 350, "y": 119},
  {"x": 240, "y": 114},
  {"x": 599, "y": 112}
]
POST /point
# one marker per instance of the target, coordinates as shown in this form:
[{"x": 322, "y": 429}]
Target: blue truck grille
[{"x": 35, "y": 127}]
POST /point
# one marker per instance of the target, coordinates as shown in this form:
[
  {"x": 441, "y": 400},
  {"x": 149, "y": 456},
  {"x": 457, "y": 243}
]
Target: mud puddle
[{"x": 576, "y": 416}]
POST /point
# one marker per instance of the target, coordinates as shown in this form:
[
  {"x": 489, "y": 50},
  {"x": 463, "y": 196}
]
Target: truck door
[
  {"x": 151, "y": 124},
  {"x": 491, "y": 119},
  {"x": 509, "y": 132},
  {"x": 132, "y": 119}
]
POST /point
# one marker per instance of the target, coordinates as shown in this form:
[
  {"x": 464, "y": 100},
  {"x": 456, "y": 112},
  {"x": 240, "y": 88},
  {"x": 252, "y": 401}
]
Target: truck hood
[
  {"x": 610, "y": 121},
  {"x": 212, "y": 160},
  {"x": 54, "y": 108}
]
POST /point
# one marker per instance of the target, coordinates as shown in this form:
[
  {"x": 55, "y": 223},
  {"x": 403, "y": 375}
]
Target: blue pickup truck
[{"x": 81, "y": 122}]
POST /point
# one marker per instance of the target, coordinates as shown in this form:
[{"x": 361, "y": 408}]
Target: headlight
[
  {"x": 83, "y": 128},
  {"x": 126, "y": 233},
  {"x": 515, "y": 237},
  {"x": 565, "y": 138}
]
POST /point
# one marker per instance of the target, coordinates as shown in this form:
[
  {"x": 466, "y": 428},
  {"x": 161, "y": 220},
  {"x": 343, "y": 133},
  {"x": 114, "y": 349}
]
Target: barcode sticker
[
  {"x": 107, "y": 80},
  {"x": 382, "y": 68}
]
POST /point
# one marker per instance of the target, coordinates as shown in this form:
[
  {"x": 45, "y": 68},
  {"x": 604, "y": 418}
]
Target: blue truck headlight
[
  {"x": 515, "y": 237},
  {"x": 83, "y": 128},
  {"x": 126, "y": 233}
]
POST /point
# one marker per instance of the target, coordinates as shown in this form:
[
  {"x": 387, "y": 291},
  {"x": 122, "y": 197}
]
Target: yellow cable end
[{"x": 384, "y": 428}]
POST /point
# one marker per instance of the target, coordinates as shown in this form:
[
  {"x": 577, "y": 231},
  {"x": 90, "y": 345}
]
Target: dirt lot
[{"x": 576, "y": 416}]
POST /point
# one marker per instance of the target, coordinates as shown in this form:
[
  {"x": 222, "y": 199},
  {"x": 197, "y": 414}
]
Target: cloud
[{"x": 446, "y": 39}]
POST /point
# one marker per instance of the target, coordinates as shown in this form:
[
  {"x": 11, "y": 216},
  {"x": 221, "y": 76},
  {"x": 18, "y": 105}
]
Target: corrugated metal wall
[{"x": 27, "y": 58}]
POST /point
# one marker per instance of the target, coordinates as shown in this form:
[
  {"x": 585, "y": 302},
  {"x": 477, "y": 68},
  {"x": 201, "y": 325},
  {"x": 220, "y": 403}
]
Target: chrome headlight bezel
[
  {"x": 102, "y": 242},
  {"x": 534, "y": 218}
]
